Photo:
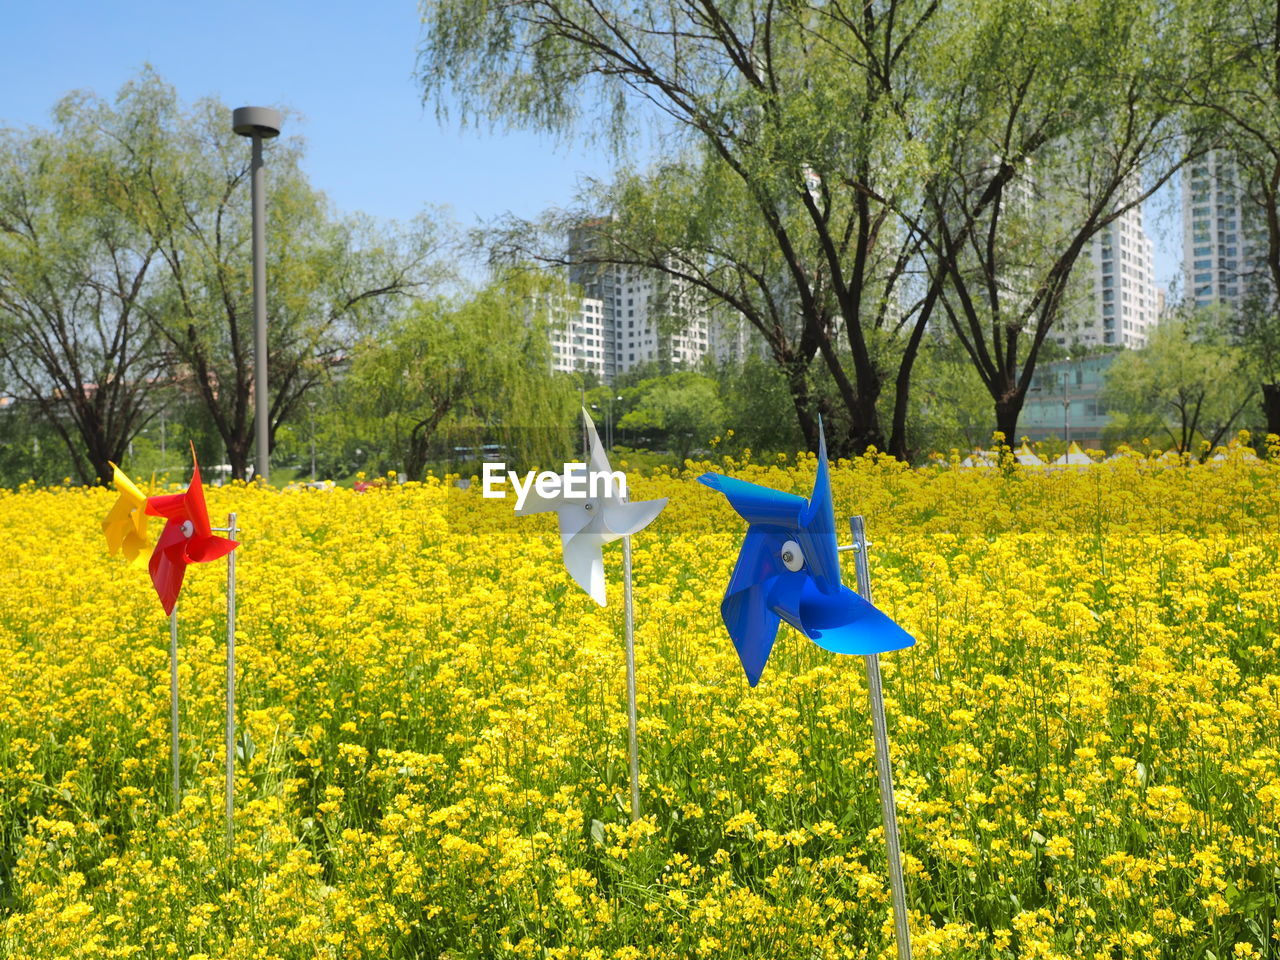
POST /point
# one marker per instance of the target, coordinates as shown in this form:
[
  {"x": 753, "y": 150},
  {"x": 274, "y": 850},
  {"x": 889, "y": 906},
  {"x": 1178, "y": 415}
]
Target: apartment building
[
  {"x": 1223, "y": 238},
  {"x": 1123, "y": 301}
]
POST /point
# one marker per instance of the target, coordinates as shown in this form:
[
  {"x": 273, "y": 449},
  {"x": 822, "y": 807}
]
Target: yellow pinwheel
[{"x": 126, "y": 524}]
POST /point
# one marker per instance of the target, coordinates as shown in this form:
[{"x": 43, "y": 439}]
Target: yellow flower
[{"x": 431, "y": 741}]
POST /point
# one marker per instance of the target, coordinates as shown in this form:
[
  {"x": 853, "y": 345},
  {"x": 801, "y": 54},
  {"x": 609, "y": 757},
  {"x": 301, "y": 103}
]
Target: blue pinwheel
[{"x": 789, "y": 569}]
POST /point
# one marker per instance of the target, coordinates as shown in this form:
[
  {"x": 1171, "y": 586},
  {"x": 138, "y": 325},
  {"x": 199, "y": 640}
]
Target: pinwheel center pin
[
  {"x": 188, "y": 529},
  {"x": 792, "y": 556}
]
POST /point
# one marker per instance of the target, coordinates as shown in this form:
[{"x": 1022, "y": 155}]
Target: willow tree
[
  {"x": 481, "y": 360},
  {"x": 78, "y": 284},
  {"x": 183, "y": 178},
  {"x": 1239, "y": 96},
  {"x": 803, "y": 114},
  {"x": 1054, "y": 120}
]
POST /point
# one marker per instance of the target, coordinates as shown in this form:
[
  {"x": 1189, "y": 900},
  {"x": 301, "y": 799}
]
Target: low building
[{"x": 1064, "y": 402}]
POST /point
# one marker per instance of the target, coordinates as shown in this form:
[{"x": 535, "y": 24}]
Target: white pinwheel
[{"x": 587, "y": 524}]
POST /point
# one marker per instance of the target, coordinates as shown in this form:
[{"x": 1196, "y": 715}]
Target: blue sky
[{"x": 347, "y": 70}]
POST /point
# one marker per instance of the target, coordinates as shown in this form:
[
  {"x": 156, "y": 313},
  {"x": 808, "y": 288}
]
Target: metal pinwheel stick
[
  {"x": 173, "y": 705},
  {"x": 586, "y": 525},
  {"x": 884, "y": 767},
  {"x": 633, "y": 748},
  {"x": 231, "y": 531}
]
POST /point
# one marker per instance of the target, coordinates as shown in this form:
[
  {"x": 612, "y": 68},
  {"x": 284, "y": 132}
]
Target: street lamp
[
  {"x": 608, "y": 419},
  {"x": 1066, "y": 403},
  {"x": 259, "y": 123}
]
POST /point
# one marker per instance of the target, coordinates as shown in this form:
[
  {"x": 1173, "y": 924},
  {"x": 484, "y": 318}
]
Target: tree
[
  {"x": 79, "y": 286},
  {"x": 1060, "y": 119},
  {"x": 799, "y": 120},
  {"x": 682, "y": 410},
  {"x": 184, "y": 180},
  {"x": 482, "y": 359},
  {"x": 950, "y": 405},
  {"x": 753, "y": 392},
  {"x": 1188, "y": 382},
  {"x": 1239, "y": 41}
]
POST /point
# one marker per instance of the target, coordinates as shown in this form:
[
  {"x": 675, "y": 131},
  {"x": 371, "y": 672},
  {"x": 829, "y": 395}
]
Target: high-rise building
[
  {"x": 1123, "y": 301},
  {"x": 597, "y": 283},
  {"x": 655, "y": 319},
  {"x": 647, "y": 316},
  {"x": 577, "y": 335},
  {"x": 1223, "y": 242}
]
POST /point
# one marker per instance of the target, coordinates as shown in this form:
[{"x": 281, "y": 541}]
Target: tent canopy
[{"x": 1074, "y": 457}]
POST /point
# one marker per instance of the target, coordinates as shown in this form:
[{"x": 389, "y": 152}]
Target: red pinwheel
[{"x": 187, "y": 538}]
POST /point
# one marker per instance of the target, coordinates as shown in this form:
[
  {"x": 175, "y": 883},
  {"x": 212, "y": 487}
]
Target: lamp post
[
  {"x": 311, "y": 428},
  {"x": 1066, "y": 403},
  {"x": 259, "y": 123},
  {"x": 608, "y": 419}
]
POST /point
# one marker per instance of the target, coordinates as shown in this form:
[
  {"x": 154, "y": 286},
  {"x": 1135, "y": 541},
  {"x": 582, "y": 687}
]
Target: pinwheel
[
  {"x": 187, "y": 538},
  {"x": 789, "y": 569},
  {"x": 588, "y": 523},
  {"x": 126, "y": 524}
]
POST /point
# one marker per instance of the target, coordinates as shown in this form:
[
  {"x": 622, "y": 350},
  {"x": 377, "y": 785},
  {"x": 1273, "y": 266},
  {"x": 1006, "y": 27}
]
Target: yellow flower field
[{"x": 1086, "y": 736}]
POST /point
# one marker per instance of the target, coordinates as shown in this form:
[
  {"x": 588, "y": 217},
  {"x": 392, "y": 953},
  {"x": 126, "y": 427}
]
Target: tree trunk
[
  {"x": 798, "y": 386},
  {"x": 1008, "y": 410},
  {"x": 902, "y": 394},
  {"x": 419, "y": 443},
  {"x": 865, "y": 431},
  {"x": 238, "y": 456},
  {"x": 1271, "y": 406},
  {"x": 898, "y": 435},
  {"x": 101, "y": 462},
  {"x": 415, "y": 455}
]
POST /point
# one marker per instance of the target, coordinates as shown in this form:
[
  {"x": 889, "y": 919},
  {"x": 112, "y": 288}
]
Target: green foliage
[
  {"x": 680, "y": 412},
  {"x": 476, "y": 367},
  {"x": 30, "y": 448},
  {"x": 756, "y": 402},
  {"x": 1188, "y": 384}
]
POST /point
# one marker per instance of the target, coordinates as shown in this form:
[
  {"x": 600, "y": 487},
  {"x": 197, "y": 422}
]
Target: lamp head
[{"x": 257, "y": 122}]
